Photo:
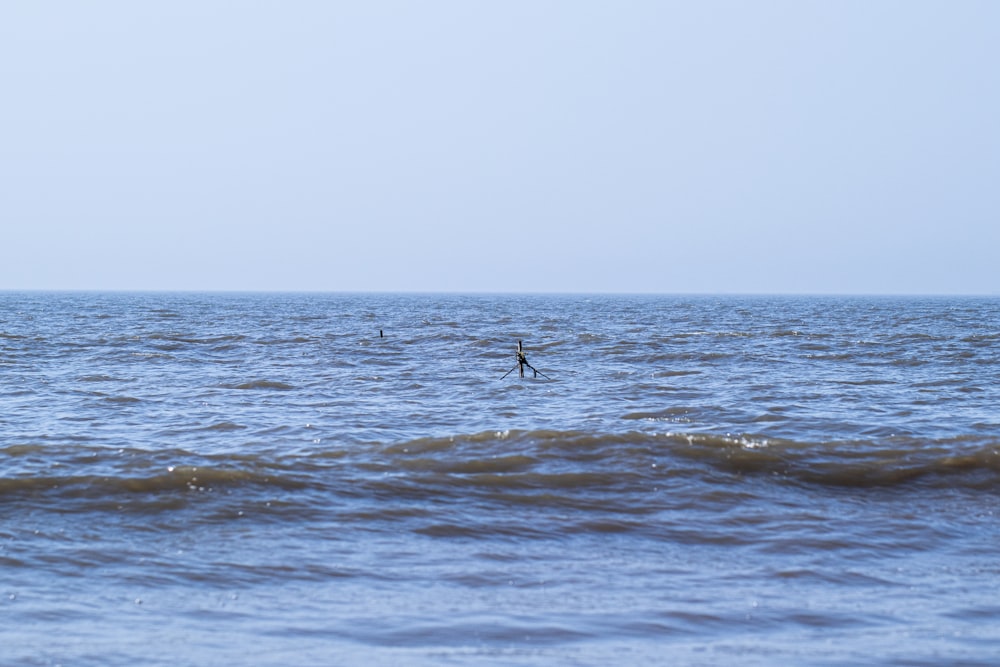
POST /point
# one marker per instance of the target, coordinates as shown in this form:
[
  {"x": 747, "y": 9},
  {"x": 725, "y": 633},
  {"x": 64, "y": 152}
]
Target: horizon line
[{"x": 85, "y": 290}]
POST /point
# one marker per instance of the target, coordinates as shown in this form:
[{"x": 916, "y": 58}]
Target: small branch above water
[{"x": 522, "y": 361}]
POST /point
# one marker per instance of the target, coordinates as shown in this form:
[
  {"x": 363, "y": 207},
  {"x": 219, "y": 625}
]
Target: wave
[
  {"x": 224, "y": 426},
  {"x": 972, "y": 461},
  {"x": 287, "y": 341},
  {"x": 101, "y": 378},
  {"x": 260, "y": 384},
  {"x": 565, "y": 468},
  {"x": 175, "y": 478},
  {"x": 969, "y": 462},
  {"x": 95, "y": 478},
  {"x": 122, "y": 399},
  {"x": 197, "y": 340}
]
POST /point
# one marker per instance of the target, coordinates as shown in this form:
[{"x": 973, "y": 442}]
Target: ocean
[{"x": 352, "y": 479}]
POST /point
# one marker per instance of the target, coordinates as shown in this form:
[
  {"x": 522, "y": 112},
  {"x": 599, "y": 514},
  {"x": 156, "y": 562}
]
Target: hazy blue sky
[{"x": 626, "y": 146}]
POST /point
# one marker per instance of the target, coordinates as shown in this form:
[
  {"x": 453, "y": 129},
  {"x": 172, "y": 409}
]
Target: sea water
[{"x": 319, "y": 479}]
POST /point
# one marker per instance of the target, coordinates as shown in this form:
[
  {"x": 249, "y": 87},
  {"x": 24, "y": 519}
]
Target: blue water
[{"x": 254, "y": 479}]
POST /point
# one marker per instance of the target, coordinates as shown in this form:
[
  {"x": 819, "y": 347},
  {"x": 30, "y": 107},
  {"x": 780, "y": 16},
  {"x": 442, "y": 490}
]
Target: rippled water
[{"x": 267, "y": 480}]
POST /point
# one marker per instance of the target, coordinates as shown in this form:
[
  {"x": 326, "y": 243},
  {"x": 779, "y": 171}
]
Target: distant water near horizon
[{"x": 344, "y": 479}]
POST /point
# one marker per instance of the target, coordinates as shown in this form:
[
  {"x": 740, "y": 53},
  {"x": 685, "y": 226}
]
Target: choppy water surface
[{"x": 264, "y": 480}]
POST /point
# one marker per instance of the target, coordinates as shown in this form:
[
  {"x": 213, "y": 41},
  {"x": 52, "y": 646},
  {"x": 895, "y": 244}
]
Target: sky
[{"x": 718, "y": 146}]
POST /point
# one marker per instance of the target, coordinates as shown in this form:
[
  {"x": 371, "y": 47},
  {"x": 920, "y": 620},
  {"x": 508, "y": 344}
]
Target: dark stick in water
[{"x": 522, "y": 361}]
